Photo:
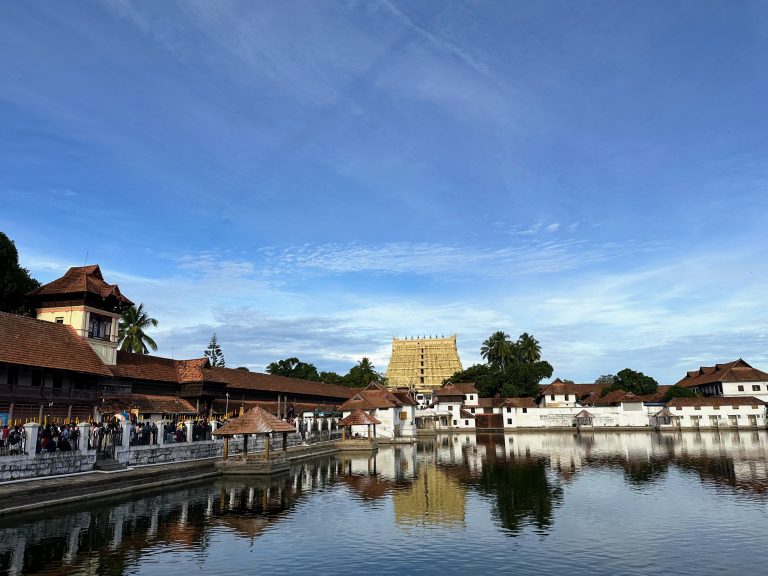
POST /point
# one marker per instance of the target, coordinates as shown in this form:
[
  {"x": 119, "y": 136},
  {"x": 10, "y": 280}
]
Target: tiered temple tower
[{"x": 422, "y": 363}]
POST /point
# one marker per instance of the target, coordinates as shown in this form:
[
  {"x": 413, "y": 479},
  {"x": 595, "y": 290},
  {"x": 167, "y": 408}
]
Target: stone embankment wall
[
  {"x": 33, "y": 465},
  {"x": 46, "y": 464}
]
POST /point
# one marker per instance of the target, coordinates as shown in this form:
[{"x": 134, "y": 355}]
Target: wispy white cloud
[
  {"x": 534, "y": 257},
  {"x": 434, "y": 39}
]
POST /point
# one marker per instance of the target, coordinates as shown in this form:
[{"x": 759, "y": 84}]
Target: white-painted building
[
  {"x": 731, "y": 379},
  {"x": 717, "y": 412},
  {"x": 396, "y": 411}
]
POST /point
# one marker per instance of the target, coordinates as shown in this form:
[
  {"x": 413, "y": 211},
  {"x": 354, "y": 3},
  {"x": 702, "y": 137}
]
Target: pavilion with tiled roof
[
  {"x": 358, "y": 418},
  {"x": 256, "y": 421}
]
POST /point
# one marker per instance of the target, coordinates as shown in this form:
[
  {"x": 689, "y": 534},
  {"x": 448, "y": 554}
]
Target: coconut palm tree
[
  {"x": 528, "y": 348},
  {"x": 131, "y": 333},
  {"x": 498, "y": 349}
]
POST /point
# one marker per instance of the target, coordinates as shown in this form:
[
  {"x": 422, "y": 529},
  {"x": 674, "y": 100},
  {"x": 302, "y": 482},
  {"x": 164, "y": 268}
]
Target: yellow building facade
[{"x": 422, "y": 363}]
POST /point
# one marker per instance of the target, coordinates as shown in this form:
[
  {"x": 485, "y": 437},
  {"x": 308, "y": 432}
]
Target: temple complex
[{"x": 422, "y": 363}]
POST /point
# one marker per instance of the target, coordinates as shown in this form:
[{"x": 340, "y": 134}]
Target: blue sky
[{"x": 312, "y": 178}]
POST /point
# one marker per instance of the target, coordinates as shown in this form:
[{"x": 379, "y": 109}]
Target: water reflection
[{"x": 430, "y": 485}]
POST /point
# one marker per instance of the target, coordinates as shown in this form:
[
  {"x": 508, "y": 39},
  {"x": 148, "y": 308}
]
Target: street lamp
[{"x": 226, "y": 410}]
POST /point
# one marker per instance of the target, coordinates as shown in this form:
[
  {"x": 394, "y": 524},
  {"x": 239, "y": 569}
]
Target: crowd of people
[
  {"x": 12, "y": 440},
  {"x": 101, "y": 435}
]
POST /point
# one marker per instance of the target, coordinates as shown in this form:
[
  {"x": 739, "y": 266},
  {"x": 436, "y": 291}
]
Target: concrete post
[
  {"x": 188, "y": 424},
  {"x": 126, "y": 435},
  {"x": 31, "y": 429},
  {"x": 85, "y": 435},
  {"x": 160, "y": 432}
]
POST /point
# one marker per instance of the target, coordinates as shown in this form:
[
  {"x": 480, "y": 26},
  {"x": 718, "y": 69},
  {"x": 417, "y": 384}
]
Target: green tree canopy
[
  {"x": 523, "y": 379},
  {"x": 605, "y": 380},
  {"x": 512, "y": 369},
  {"x": 362, "y": 374},
  {"x": 294, "y": 368},
  {"x": 498, "y": 350},
  {"x": 15, "y": 281},
  {"x": 632, "y": 381},
  {"x": 214, "y": 354},
  {"x": 331, "y": 378},
  {"x": 677, "y": 391},
  {"x": 528, "y": 349},
  {"x": 131, "y": 331}
]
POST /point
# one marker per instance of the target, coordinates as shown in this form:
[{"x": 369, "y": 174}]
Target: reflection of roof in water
[
  {"x": 247, "y": 526},
  {"x": 369, "y": 487}
]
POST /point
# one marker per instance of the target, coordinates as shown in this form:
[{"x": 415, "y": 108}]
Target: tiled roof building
[{"x": 65, "y": 364}]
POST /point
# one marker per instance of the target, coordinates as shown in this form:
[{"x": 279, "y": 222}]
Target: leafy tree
[
  {"x": 214, "y": 354},
  {"x": 362, "y": 374},
  {"x": 471, "y": 374},
  {"x": 677, "y": 391},
  {"x": 523, "y": 379},
  {"x": 512, "y": 369},
  {"x": 632, "y": 381},
  {"x": 606, "y": 380},
  {"x": 331, "y": 378},
  {"x": 528, "y": 349},
  {"x": 243, "y": 368},
  {"x": 131, "y": 331},
  {"x": 15, "y": 281},
  {"x": 294, "y": 368},
  {"x": 498, "y": 349}
]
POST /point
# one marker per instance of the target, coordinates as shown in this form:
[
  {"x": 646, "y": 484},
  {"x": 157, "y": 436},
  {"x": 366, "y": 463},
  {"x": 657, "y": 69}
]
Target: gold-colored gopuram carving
[{"x": 422, "y": 363}]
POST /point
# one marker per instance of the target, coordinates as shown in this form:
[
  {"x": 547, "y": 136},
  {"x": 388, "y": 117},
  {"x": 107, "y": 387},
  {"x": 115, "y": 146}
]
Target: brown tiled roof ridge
[{"x": 38, "y": 343}]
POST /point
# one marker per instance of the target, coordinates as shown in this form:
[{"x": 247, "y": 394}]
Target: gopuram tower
[{"x": 422, "y": 363}]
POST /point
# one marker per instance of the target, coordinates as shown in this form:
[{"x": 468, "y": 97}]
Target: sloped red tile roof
[
  {"x": 490, "y": 402},
  {"x": 519, "y": 403},
  {"x": 405, "y": 397},
  {"x": 358, "y": 418},
  {"x": 221, "y": 404},
  {"x": 370, "y": 399},
  {"x": 235, "y": 379},
  {"x": 736, "y": 371},
  {"x": 145, "y": 367},
  {"x": 616, "y": 396},
  {"x": 716, "y": 401},
  {"x": 42, "y": 344},
  {"x": 657, "y": 396},
  {"x": 255, "y": 421},
  {"x": 191, "y": 370},
  {"x": 466, "y": 414},
  {"x": 557, "y": 386},
  {"x": 79, "y": 280},
  {"x": 147, "y": 403},
  {"x": 457, "y": 388}
]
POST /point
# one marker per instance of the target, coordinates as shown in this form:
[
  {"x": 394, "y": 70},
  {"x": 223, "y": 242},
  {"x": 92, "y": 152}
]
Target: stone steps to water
[{"x": 109, "y": 465}]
